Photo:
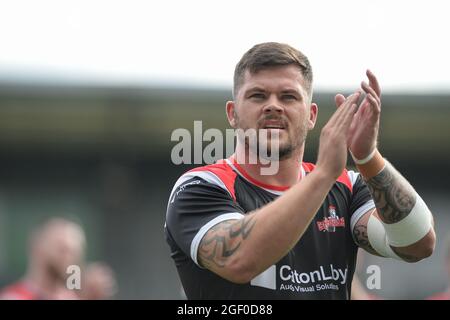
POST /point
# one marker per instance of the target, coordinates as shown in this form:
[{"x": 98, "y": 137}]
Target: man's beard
[{"x": 285, "y": 150}]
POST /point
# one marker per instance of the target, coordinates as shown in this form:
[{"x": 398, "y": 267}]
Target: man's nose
[{"x": 273, "y": 105}]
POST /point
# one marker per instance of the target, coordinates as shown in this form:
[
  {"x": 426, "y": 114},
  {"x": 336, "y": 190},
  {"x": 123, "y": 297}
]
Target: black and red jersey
[{"x": 321, "y": 264}]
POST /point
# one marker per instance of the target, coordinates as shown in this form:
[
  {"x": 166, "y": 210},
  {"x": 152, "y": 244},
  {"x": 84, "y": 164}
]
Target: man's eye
[
  {"x": 257, "y": 96},
  {"x": 289, "y": 97}
]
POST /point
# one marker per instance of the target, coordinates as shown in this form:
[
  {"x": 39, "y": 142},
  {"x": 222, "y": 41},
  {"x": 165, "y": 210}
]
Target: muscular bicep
[
  {"x": 218, "y": 248},
  {"x": 360, "y": 232}
]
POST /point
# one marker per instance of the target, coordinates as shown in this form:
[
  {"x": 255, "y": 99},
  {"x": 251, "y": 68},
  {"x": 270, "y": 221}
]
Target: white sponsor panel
[{"x": 324, "y": 278}]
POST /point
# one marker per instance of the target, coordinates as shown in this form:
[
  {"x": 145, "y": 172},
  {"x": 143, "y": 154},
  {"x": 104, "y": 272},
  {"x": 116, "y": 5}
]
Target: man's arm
[
  {"x": 395, "y": 199},
  {"x": 241, "y": 249},
  {"x": 360, "y": 232},
  {"x": 403, "y": 227}
]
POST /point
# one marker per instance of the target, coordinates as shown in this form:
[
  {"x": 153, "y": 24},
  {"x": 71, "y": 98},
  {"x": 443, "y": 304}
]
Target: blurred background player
[
  {"x": 55, "y": 245},
  {"x": 98, "y": 282}
]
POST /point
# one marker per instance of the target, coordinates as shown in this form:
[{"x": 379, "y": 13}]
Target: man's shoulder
[
  {"x": 347, "y": 177},
  {"x": 219, "y": 174},
  {"x": 220, "y": 168}
]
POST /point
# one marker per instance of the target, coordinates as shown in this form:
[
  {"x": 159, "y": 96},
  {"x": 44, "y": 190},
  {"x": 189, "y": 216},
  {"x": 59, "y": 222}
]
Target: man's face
[
  {"x": 60, "y": 247},
  {"x": 275, "y": 99}
]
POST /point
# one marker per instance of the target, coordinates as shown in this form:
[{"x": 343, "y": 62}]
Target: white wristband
[{"x": 366, "y": 159}]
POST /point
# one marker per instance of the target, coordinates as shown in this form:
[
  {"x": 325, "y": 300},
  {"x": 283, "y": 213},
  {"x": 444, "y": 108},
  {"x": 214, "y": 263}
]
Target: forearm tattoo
[
  {"x": 223, "y": 240},
  {"x": 362, "y": 239},
  {"x": 394, "y": 197}
]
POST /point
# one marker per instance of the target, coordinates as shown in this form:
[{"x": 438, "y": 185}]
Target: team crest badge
[{"x": 331, "y": 221}]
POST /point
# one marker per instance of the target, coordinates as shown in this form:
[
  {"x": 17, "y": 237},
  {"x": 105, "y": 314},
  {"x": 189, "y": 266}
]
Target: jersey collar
[{"x": 271, "y": 188}]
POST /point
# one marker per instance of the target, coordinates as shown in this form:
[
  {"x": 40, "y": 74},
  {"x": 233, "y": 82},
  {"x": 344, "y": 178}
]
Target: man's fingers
[
  {"x": 348, "y": 116},
  {"x": 353, "y": 98},
  {"x": 350, "y": 107},
  {"x": 371, "y": 97},
  {"x": 373, "y": 102},
  {"x": 373, "y": 82},
  {"x": 344, "y": 108},
  {"x": 369, "y": 90},
  {"x": 339, "y": 99}
]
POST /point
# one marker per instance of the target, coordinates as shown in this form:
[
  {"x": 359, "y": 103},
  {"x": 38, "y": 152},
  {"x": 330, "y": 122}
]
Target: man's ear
[
  {"x": 313, "y": 111},
  {"x": 231, "y": 113}
]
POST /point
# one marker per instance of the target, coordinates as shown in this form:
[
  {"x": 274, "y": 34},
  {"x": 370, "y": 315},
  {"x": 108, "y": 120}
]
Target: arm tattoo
[
  {"x": 362, "y": 239},
  {"x": 223, "y": 240},
  {"x": 394, "y": 197}
]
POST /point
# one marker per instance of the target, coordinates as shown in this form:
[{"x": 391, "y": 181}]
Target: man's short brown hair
[{"x": 272, "y": 54}]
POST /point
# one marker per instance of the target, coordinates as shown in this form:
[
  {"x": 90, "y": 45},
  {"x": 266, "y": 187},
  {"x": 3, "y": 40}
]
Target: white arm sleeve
[
  {"x": 378, "y": 239},
  {"x": 407, "y": 231}
]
